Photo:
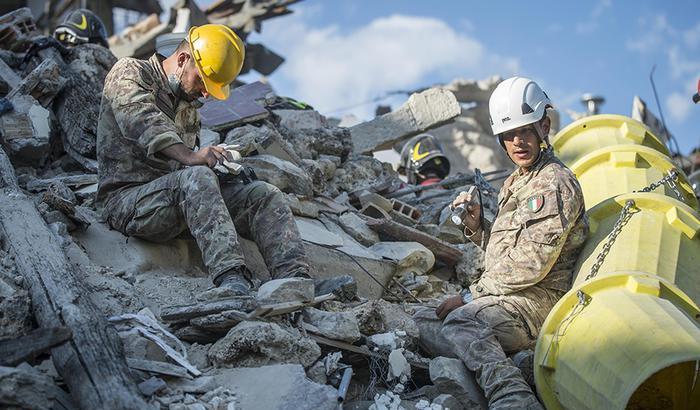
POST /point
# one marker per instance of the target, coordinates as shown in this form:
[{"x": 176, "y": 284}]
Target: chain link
[{"x": 626, "y": 214}]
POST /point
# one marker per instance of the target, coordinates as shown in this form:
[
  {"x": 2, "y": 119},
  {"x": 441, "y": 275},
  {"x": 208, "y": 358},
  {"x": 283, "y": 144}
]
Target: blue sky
[{"x": 342, "y": 53}]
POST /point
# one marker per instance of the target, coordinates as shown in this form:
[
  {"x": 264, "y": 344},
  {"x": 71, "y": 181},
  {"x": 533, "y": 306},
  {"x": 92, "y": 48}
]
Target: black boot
[{"x": 235, "y": 279}]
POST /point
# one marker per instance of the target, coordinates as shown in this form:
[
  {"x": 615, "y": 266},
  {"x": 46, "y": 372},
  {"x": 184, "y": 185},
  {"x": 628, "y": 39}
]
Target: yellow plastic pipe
[
  {"x": 590, "y": 133},
  {"x": 626, "y": 168},
  {"x": 630, "y": 336}
]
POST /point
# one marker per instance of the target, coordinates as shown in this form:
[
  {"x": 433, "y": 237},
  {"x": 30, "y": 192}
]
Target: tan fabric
[
  {"x": 532, "y": 245},
  {"x": 139, "y": 117}
]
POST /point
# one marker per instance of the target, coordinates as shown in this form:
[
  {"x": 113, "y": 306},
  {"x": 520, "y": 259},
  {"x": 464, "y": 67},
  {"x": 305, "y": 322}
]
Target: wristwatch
[{"x": 466, "y": 296}]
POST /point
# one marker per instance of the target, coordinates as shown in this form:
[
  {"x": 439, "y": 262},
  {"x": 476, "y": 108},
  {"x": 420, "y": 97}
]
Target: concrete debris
[
  {"x": 333, "y": 325},
  {"x": 387, "y": 401},
  {"x": 410, "y": 256},
  {"x": 31, "y": 389},
  {"x": 398, "y": 366},
  {"x": 298, "y": 120},
  {"x": 286, "y": 290},
  {"x": 356, "y": 227},
  {"x": 26, "y": 131},
  {"x": 289, "y": 388},
  {"x": 219, "y": 351},
  {"x": 15, "y": 304},
  {"x": 422, "y": 111},
  {"x": 151, "y": 386},
  {"x": 447, "y": 401},
  {"x": 252, "y": 344},
  {"x": 380, "y": 316},
  {"x": 283, "y": 174},
  {"x": 451, "y": 377}
]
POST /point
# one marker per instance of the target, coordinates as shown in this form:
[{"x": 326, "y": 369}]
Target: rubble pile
[{"x": 172, "y": 340}]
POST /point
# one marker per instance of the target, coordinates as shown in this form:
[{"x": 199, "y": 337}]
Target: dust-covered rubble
[{"x": 190, "y": 345}]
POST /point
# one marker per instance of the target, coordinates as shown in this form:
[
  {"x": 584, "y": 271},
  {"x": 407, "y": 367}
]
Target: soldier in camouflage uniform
[
  {"x": 153, "y": 185},
  {"x": 531, "y": 249}
]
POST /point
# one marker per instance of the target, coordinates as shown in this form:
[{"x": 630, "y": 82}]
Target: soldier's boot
[
  {"x": 524, "y": 360},
  {"x": 236, "y": 279},
  {"x": 343, "y": 286}
]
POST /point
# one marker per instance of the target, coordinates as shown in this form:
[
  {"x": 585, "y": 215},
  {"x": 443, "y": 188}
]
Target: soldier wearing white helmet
[{"x": 531, "y": 249}]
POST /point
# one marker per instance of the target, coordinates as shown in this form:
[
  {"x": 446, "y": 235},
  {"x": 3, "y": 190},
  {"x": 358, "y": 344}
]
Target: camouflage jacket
[
  {"x": 536, "y": 237},
  {"x": 139, "y": 117}
]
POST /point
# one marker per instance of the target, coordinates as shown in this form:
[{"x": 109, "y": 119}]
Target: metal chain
[{"x": 626, "y": 215}]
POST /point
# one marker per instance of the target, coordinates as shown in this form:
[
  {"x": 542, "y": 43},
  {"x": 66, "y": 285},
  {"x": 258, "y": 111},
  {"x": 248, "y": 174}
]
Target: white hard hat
[{"x": 516, "y": 102}]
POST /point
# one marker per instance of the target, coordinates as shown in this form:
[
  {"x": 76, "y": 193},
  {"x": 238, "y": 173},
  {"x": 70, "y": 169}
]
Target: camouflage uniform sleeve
[
  {"x": 542, "y": 235},
  {"x": 131, "y": 92}
]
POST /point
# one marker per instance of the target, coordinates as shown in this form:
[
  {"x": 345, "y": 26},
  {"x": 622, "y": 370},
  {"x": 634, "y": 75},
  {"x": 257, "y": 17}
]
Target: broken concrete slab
[
  {"x": 356, "y": 227},
  {"x": 398, "y": 366},
  {"x": 450, "y": 376},
  {"x": 283, "y": 174},
  {"x": 333, "y": 325},
  {"x": 314, "y": 231},
  {"x": 25, "y": 389},
  {"x": 410, "y": 256},
  {"x": 252, "y": 344},
  {"x": 286, "y": 290},
  {"x": 26, "y": 131},
  {"x": 380, "y": 316},
  {"x": 448, "y": 401},
  {"x": 301, "y": 119},
  {"x": 292, "y": 390},
  {"x": 356, "y": 261},
  {"x": 422, "y": 111},
  {"x": 263, "y": 139},
  {"x": 15, "y": 304},
  {"x": 43, "y": 83},
  {"x": 303, "y": 207}
]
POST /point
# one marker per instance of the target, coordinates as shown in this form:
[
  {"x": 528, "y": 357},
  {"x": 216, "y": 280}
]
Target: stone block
[
  {"x": 283, "y": 174},
  {"x": 252, "y": 344},
  {"x": 356, "y": 227},
  {"x": 422, "y": 111},
  {"x": 448, "y": 401},
  {"x": 286, "y": 290},
  {"x": 301, "y": 119},
  {"x": 276, "y": 387},
  {"x": 334, "y": 325},
  {"x": 410, "y": 256},
  {"x": 451, "y": 377}
]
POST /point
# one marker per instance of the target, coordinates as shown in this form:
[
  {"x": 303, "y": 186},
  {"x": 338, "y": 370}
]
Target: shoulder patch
[{"x": 535, "y": 203}]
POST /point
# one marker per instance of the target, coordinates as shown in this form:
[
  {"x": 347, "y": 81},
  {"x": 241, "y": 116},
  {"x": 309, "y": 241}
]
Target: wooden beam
[
  {"x": 442, "y": 250},
  {"x": 93, "y": 364},
  {"x": 185, "y": 312},
  {"x": 23, "y": 348}
]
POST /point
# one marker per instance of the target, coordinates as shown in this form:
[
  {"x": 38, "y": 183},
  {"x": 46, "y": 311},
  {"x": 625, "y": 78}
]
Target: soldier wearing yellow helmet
[{"x": 153, "y": 184}]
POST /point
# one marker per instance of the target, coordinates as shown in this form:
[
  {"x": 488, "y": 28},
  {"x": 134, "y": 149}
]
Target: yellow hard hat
[{"x": 218, "y": 53}]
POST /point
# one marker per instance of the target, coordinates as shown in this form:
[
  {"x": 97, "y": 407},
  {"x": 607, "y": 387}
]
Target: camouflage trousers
[
  {"x": 192, "y": 199},
  {"x": 481, "y": 334}
]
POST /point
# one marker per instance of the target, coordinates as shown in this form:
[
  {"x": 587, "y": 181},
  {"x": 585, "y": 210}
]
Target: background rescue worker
[
  {"x": 423, "y": 161},
  {"x": 531, "y": 249},
  {"x": 81, "y": 26},
  {"x": 153, "y": 185}
]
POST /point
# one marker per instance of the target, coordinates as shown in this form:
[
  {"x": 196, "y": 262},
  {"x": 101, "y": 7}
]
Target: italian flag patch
[{"x": 535, "y": 203}]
